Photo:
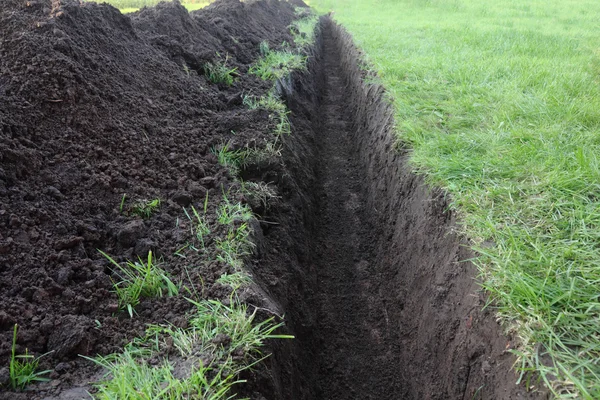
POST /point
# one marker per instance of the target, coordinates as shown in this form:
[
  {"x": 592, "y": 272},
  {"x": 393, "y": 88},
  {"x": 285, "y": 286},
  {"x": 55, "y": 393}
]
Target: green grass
[
  {"x": 217, "y": 71},
  {"x": 303, "y": 29},
  {"x": 138, "y": 280},
  {"x": 500, "y": 104},
  {"x": 143, "y": 208},
  {"x": 229, "y": 213},
  {"x": 23, "y": 369},
  {"x": 277, "y": 109},
  {"x": 199, "y": 224},
  {"x": 226, "y": 337},
  {"x": 129, "y": 6},
  {"x": 235, "y": 280},
  {"x": 235, "y": 160},
  {"x": 235, "y": 246},
  {"x": 275, "y": 64},
  {"x": 231, "y": 159}
]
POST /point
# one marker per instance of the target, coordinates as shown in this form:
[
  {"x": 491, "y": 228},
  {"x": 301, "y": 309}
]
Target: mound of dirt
[{"x": 97, "y": 107}]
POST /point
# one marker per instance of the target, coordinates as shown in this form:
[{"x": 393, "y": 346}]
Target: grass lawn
[
  {"x": 500, "y": 104},
  {"x": 129, "y": 6}
]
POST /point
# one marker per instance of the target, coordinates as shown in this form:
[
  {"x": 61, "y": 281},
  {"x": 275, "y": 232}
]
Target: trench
[
  {"x": 351, "y": 317},
  {"x": 364, "y": 261}
]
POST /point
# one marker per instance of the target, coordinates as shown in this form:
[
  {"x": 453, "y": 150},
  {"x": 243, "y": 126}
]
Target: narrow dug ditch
[
  {"x": 365, "y": 261},
  {"x": 354, "y": 358}
]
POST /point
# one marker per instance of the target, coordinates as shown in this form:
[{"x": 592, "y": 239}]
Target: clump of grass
[
  {"x": 140, "y": 279},
  {"x": 231, "y": 159},
  {"x": 235, "y": 246},
  {"x": 23, "y": 369},
  {"x": 235, "y": 280},
  {"x": 237, "y": 323},
  {"x": 270, "y": 102},
  {"x": 144, "y": 208},
  {"x": 270, "y": 151},
  {"x": 277, "y": 64},
  {"x": 259, "y": 192},
  {"x": 130, "y": 376},
  {"x": 264, "y": 48},
  {"x": 218, "y": 71},
  {"x": 228, "y": 213},
  {"x": 200, "y": 226},
  {"x": 216, "y": 331},
  {"x": 277, "y": 108},
  {"x": 303, "y": 29}
]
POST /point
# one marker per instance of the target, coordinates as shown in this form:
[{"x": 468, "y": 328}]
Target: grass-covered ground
[
  {"x": 500, "y": 104},
  {"x": 129, "y": 6}
]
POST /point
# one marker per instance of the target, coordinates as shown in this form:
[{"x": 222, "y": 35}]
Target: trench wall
[{"x": 442, "y": 344}]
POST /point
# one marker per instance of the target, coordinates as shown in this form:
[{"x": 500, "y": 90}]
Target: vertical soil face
[{"x": 364, "y": 261}]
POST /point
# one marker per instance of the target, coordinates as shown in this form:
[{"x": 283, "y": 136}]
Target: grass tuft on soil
[
  {"x": 500, "y": 106},
  {"x": 24, "y": 368},
  {"x": 201, "y": 361},
  {"x": 303, "y": 29},
  {"x": 217, "y": 71},
  {"x": 219, "y": 341},
  {"x": 277, "y": 109},
  {"x": 140, "y": 279},
  {"x": 275, "y": 64}
]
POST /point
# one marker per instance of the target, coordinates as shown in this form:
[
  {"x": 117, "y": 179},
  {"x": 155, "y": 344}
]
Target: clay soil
[{"x": 356, "y": 252}]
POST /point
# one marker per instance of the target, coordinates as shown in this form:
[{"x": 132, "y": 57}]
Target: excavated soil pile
[{"x": 94, "y": 105}]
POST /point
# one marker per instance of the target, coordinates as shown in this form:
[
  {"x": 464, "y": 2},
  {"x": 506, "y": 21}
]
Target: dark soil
[
  {"x": 95, "y": 105},
  {"x": 358, "y": 254}
]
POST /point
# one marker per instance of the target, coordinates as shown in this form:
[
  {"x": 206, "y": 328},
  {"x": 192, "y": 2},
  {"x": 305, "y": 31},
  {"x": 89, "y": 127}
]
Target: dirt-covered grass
[{"x": 500, "y": 105}]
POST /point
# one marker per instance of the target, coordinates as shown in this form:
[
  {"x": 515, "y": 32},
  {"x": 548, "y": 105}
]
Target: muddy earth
[{"x": 100, "y": 110}]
